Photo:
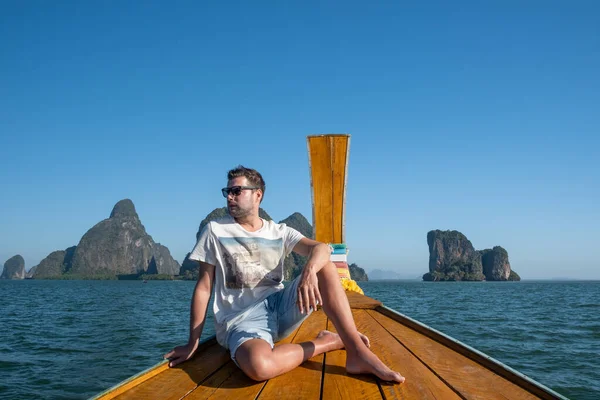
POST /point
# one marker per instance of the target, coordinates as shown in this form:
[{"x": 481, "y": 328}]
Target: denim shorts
[{"x": 271, "y": 320}]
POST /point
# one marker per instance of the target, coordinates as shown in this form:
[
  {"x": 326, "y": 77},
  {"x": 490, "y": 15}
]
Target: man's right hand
[{"x": 181, "y": 353}]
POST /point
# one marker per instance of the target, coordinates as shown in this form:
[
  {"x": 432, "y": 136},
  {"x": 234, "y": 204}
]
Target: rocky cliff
[
  {"x": 357, "y": 273},
  {"x": 452, "y": 257},
  {"x": 14, "y": 268},
  {"x": 29, "y": 274},
  {"x": 294, "y": 263},
  {"x": 189, "y": 269},
  {"x": 119, "y": 246},
  {"x": 54, "y": 265},
  {"x": 496, "y": 266},
  {"x": 299, "y": 223}
]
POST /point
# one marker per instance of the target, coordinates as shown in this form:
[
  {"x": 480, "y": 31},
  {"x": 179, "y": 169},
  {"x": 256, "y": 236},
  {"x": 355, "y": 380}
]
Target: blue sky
[{"x": 482, "y": 118}]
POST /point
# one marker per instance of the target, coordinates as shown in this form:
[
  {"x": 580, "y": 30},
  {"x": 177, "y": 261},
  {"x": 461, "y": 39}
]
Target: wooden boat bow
[{"x": 436, "y": 366}]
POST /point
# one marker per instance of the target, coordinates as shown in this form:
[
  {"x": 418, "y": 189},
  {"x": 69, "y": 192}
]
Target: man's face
[{"x": 244, "y": 203}]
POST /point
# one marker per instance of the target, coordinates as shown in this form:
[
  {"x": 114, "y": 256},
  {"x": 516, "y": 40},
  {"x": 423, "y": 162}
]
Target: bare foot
[
  {"x": 365, "y": 362},
  {"x": 334, "y": 340}
]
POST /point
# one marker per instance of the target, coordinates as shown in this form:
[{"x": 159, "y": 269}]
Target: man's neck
[{"x": 250, "y": 223}]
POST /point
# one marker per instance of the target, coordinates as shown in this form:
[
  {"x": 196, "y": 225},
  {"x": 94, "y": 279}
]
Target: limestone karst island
[
  {"x": 452, "y": 257},
  {"x": 120, "y": 248}
]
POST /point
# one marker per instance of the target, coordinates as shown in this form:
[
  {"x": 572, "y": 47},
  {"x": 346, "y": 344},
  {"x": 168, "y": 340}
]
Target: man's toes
[{"x": 395, "y": 376}]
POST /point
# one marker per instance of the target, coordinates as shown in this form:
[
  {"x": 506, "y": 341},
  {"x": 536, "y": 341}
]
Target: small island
[
  {"x": 14, "y": 268},
  {"x": 452, "y": 257}
]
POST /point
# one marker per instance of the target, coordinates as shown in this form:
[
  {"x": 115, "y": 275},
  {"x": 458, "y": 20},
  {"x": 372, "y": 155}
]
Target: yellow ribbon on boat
[{"x": 350, "y": 285}]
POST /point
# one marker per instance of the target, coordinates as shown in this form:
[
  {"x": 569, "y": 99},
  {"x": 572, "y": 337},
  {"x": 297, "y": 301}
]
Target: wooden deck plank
[
  {"x": 466, "y": 376},
  {"x": 133, "y": 382},
  {"x": 338, "y": 384},
  {"x": 174, "y": 383},
  {"x": 421, "y": 383},
  {"x": 303, "y": 382},
  {"x": 432, "y": 369},
  {"x": 358, "y": 300},
  {"x": 231, "y": 382},
  {"x": 212, "y": 383}
]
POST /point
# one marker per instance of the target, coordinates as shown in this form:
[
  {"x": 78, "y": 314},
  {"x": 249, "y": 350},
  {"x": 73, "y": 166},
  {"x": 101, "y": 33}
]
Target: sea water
[{"x": 74, "y": 339}]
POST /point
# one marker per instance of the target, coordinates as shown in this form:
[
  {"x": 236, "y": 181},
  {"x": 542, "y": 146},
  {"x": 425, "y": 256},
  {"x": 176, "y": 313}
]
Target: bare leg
[
  {"x": 260, "y": 362},
  {"x": 360, "y": 359}
]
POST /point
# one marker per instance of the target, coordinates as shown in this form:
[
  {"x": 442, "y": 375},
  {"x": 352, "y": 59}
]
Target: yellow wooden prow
[{"x": 328, "y": 161}]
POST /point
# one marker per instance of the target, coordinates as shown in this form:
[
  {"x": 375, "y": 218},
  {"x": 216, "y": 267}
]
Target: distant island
[
  {"x": 452, "y": 257},
  {"x": 120, "y": 248},
  {"x": 379, "y": 274},
  {"x": 14, "y": 268}
]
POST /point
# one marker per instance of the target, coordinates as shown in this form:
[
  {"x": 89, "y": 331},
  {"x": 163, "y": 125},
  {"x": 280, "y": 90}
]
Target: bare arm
[
  {"x": 200, "y": 300},
  {"x": 198, "y": 310},
  {"x": 317, "y": 253},
  {"x": 308, "y": 289}
]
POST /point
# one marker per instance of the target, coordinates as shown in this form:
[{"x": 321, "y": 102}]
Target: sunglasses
[{"x": 236, "y": 190}]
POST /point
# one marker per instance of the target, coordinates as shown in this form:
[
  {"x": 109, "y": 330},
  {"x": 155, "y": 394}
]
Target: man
[{"x": 241, "y": 256}]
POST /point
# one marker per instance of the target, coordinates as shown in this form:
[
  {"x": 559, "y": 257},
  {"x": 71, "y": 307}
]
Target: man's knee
[
  {"x": 329, "y": 269},
  {"x": 256, "y": 364},
  {"x": 258, "y": 368}
]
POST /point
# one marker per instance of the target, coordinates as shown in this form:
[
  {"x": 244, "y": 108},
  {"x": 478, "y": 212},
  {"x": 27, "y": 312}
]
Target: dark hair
[{"x": 253, "y": 176}]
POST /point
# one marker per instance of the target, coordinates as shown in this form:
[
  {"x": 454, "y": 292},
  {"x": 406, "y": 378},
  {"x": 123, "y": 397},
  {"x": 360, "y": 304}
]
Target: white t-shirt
[{"x": 249, "y": 265}]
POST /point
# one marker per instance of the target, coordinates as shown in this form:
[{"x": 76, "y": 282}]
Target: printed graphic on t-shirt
[{"x": 251, "y": 262}]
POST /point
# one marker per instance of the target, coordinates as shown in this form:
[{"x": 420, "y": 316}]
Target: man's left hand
[{"x": 308, "y": 291}]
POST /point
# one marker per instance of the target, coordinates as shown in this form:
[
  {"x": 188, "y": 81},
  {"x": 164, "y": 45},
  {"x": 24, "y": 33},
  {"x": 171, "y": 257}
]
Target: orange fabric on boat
[
  {"x": 347, "y": 282},
  {"x": 343, "y": 270}
]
